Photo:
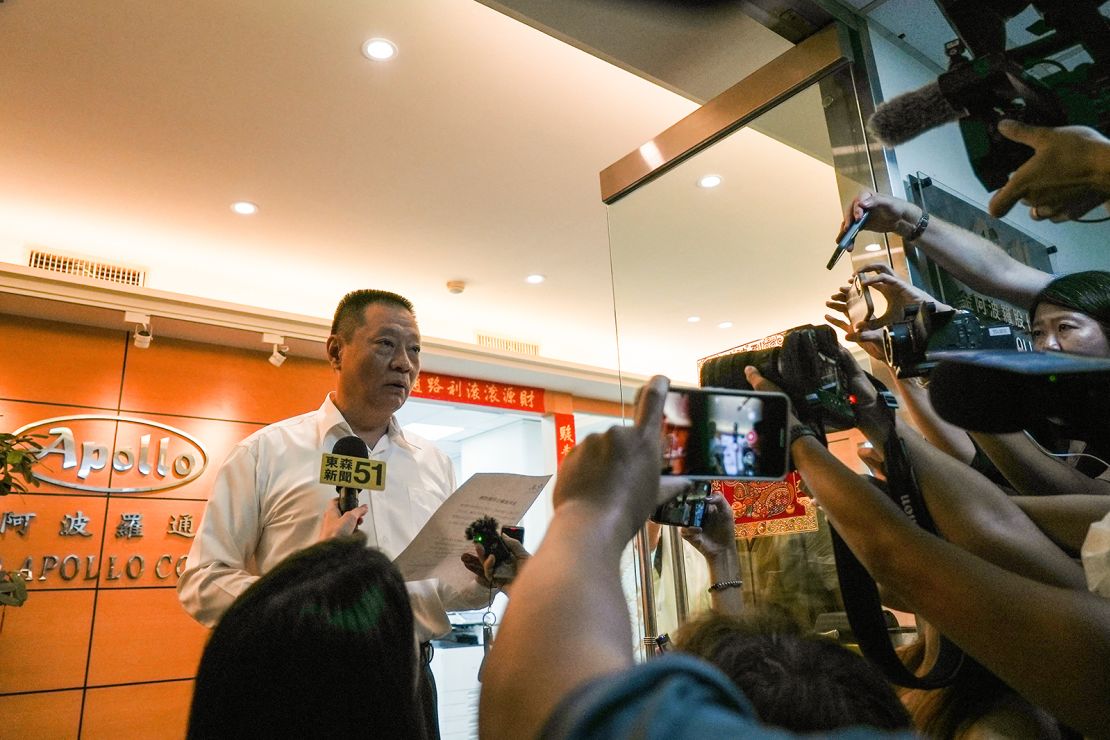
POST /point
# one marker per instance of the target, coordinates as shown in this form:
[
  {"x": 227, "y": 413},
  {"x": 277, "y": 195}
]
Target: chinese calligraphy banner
[
  {"x": 564, "y": 436},
  {"x": 440, "y": 387}
]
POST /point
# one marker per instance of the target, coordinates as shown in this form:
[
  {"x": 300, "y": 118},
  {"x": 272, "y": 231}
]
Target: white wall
[{"x": 941, "y": 155}]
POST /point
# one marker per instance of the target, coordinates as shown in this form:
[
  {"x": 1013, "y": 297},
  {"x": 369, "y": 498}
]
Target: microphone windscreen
[
  {"x": 351, "y": 446},
  {"x": 906, "y": 116}
]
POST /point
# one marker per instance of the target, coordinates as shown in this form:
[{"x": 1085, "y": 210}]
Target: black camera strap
[{"x": 862, "y": 604}]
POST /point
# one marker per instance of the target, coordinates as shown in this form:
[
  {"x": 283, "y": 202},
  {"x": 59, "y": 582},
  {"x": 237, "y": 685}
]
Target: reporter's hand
[
  {"x": 897, "y": 293},
  {"x": 482, "y": 565},
  {"x": 614, "y": 476},
  {"x": 717, "y": 533},
  {"x": 873, "y": 419},
  {"x": 1066, "y": 177},
  {"x": 887, "y": 214},
  {"x": 334, "y": 524}
]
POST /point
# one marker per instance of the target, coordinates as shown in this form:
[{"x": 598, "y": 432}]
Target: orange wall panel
[
  {"x": 57, "y": 560},
  {"x": 57, "y": 363},
  {"x": 191, "y": 379},
  {"x": 53, "y": 716},
  {"x": 157, "y": 711},
  {"x": 96, "y": 432},
  {"x": 215, "y": 437},
  {"x": 44, "y": 643},
  {"x": 143, "y": 634},
  {"x": 150, "y": 559}
]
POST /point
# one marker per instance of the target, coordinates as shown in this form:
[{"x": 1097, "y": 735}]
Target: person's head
[
  {"x": 798, "y": 682},
  {"x": 374, "y": 348},
  {"x": 321, "y": 646},
  {"x": 1072, "y": 314}
]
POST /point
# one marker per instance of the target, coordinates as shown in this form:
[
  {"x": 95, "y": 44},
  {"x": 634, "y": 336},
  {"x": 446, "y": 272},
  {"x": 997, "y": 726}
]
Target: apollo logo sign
[{"x": 152, "y": 456}]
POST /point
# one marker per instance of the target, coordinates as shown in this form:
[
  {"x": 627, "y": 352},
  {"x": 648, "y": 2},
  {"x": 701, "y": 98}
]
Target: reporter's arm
[
  {"x": 992, "y": 613},
  {"x": 568, "y": 621},
  {"x": 715, "y": 540},
  {"x": 1032, "y": 472},
  {"x": 970, "y": 258},
  {"x": 1065, "y": 519}
]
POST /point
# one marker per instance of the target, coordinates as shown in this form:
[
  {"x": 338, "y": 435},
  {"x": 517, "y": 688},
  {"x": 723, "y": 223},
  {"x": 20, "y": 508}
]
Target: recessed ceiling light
[
  {"x": 693, "y": 319},
  {"x": 379, "y": 49},
  {"x": 535, "y": 279},
  {"x": 244, "y": 208},
  {"x": 873, "y": 248},
  {"x": 724, "y": 325},
  {"x": 709, "y": 181}
]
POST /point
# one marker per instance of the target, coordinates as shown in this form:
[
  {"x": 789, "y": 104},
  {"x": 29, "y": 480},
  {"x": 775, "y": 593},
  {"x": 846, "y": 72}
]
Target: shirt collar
[{"x": 330, "y": 418}]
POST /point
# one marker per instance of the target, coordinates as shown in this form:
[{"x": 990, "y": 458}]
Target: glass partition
[{"x": 728, "y": 246}]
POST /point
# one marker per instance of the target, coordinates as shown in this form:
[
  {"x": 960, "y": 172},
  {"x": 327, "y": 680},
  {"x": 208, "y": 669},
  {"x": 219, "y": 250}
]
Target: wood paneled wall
[{"x": 102, "y": 648}]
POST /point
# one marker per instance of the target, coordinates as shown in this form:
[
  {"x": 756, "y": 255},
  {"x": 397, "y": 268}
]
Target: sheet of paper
[{"x": 436, "y": 550}]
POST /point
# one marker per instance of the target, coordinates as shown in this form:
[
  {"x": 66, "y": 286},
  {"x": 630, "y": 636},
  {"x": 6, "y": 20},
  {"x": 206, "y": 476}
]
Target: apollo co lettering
[{"x": 163, "y": 457}]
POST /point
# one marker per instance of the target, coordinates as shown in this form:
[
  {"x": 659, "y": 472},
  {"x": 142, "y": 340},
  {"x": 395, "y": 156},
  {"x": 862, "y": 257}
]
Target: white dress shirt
[{"x": 266, "y": 504}]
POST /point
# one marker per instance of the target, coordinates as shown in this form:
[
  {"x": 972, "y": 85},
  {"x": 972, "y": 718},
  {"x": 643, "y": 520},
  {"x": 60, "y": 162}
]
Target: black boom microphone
[{"x": 351, "y": 446}]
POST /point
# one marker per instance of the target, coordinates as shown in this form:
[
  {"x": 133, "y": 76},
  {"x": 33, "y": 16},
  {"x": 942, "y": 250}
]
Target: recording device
[
  {"x": 721, "y": 434},
  {"x": 350, "y": 446},
  {"x": 484, "y": 532},
  {"x": 685, "y": 510},
  {"x": 911, "y": 345},
  {"x": 860, "y": 306},
  {"x": 1007, "y": 391},
  {"x": 847, "y": 240},
  {"x": 1026, "y": 83},
  {"x": 804, "y": 362}
]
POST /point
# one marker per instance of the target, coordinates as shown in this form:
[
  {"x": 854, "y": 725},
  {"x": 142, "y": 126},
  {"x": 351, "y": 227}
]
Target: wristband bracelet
[
  {"x": 722, "y": 585},
  {"x": 797, "y": 431},
  {"x": 918, "y": 230}
]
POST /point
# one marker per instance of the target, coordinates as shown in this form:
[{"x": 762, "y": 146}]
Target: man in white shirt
[{"x": 267, "y": 502}]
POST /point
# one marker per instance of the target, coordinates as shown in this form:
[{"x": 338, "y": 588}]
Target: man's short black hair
[{"x": 349, "y": 312}]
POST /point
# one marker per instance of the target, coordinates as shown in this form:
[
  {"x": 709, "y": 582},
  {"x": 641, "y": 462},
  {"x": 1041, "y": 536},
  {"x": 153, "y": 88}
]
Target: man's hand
[
  {"x": 615, "y": 475},
  {"x": 482, "y": 565},
  {"x": 887, "y": 214},
  {"x": 335, "y": 524},
  {"x": 895, "y": 291},
  {"x": 1067, "y": 176},
  {"x": 717, "y": 533}
]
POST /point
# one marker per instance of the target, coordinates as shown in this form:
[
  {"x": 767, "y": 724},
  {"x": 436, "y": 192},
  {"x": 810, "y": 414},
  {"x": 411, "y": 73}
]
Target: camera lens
[{"x": 898, "y": 343}]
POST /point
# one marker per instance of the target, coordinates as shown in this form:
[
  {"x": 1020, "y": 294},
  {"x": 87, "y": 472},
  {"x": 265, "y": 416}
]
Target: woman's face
[{"x": 1058, "y": 329}]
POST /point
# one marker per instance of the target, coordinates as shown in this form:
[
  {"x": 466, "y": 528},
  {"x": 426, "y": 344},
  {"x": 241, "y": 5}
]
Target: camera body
[
  {"x": 804, "y": 362},
  {"x": 909, "y": 344}
]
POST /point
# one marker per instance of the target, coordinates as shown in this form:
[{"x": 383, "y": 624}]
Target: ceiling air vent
[
  {"x": 89, "y": 268},
  {"x": 508, "y": 345}
]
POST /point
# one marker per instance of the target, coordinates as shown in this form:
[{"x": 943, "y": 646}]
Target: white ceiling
[{"x": 130, "y": 126}]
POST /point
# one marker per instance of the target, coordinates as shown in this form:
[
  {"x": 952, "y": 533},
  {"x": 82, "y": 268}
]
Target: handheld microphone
[
  {"x": 351, "y": 446},
  {"x": 906, "y": 116}
]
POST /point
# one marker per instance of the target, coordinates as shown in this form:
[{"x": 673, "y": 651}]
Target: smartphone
[
  {"x": 847, "y": 240},
  {"x": 685, "y": 510},
  {"x": 860, "y": 305},
  {"x": 724, "y": 434}
]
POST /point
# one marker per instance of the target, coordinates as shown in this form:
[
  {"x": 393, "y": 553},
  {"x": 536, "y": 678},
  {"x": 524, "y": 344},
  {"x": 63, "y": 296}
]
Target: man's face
[{"x": 378, "y": 364}]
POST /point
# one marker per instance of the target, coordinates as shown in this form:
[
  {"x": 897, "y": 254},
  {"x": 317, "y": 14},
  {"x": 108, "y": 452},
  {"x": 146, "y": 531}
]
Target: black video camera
[
  {"x": 803, "y": 361},
  {"x": 485, "y": 532},
  {"x": 1027, "y": 83},
  {"x": 910, "y": 344}
]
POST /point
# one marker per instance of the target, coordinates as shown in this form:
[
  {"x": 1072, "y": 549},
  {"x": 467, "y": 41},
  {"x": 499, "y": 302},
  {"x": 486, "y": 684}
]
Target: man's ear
[{"x": 333, "y": 346}]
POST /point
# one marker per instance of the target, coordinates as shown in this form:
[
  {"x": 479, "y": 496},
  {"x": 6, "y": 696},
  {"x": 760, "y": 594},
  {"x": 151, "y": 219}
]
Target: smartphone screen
[
  {"x": 686, "y": 510},
  {"x": 721, "y": 434},
  {"x": 860, "y": 305}
]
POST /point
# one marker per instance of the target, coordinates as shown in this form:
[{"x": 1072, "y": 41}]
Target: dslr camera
[
  {"x": 804, "y": 362},
  {"x": 910, "y": 344}
]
